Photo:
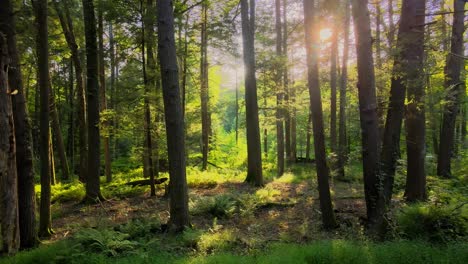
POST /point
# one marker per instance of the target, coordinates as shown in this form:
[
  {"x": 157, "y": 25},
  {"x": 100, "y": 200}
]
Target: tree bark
[
  {"x": 93, "y": 192},
  {"x": 178, "y": 190},
  {"x": 415, "y": 116},
  {"x": 9, "y": 222},
  {"x": 24, "y": 154},
  {"x": 323, "y": 174},
  {"x": 279, "y": 93},
  {"x": 342, "y": 146},
  {"x": 254, "y": 157},
  {"x": 454, "y": 88},
  {"x": 204, "y": 86},
  {"x": 40, "y": 7},
  {"x": 333, "y": 78},
  {"x": 368, "y": 112}
]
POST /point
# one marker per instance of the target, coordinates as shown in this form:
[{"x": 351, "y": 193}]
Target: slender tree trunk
[
  {"x": 93, "y": 192},
  {"x": 333, "y": 77},
  {"x": 309, "y": 134},
  {"x": 103, "y": 99},
  {"x": 289, "y": 96},
  {"x": 342, "y": 147},
  {"x": 58, "y": 135},
  {"x": 254, "y": 157},
  {"x": 40, "y": 7},
  {"x": 237, "y": 111},
  {"x": 67, "y": 27},
  {"x": 368, "y": 112},
  {"x": 71, "y": 120},
  {"x": 454, "y": 87},
  {"x": 323, "y": 174},
  {"x": 279, "y": 93},
  {"x": 391, "y": 23},
  {"x": 9, "y": 222},
  {"x": 179, "y": 216},
  {"x": 51, "y": 159},
  {"x": 204, "y": 86},
  {"x": 24, "y": 154}
]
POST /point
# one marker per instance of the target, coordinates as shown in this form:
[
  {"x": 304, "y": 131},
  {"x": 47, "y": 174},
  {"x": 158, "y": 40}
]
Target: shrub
[
  {"x": 432, "y": 223},
  {"x": 105, "y": 241},
  {"x": 219, "y": 206}
]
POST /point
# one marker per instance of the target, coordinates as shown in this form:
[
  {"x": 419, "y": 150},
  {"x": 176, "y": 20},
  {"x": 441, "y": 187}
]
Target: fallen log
[{"x": 146, "y": 182}]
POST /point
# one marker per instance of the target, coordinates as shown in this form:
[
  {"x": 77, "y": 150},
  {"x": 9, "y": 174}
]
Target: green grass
[{"x": 330, "y": 251}]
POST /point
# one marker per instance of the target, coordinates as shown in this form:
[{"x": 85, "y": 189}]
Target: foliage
[{"x": 105, "y": 241}]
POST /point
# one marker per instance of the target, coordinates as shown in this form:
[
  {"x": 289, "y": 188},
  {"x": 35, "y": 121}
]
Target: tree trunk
[
  {"x": 279, "y": 93},
  {"x": 368, "y": 112},
  {"x": 51, "y": 159},
  {"x": 454, "y": 87},
  {"x": 24, "y": 155},
  {"x": 103, "y": 99},
  {"x": 71, "y": 119},
  {"x": 254, "y": 157},
  {"x": 93, "y": 192},
  {"x": 333, "y": 78},
  {"x": 67, "y": 27},
  {"x": 323, "y": 174},
  {"x": 40, "y": 7},
  {"x": 342, "y": 147},
  {"x": 204, "y": 86},
  {"x": 415, "y": 116},
  {"x": 179, "y": 216},
  {"x": 309, "y": 134},
  {"x": 9, "y": 222}
]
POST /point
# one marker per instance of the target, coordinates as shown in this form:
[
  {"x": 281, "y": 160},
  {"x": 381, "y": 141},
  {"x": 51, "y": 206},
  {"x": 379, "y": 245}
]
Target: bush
[
  {"x": 433, "y": 223},
  {"x": 105, "y": 241},
  {"x": 220, "y": 206}
]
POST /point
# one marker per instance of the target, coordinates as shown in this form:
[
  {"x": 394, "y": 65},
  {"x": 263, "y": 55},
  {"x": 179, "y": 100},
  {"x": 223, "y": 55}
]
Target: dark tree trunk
[
  {"x": 178, "y": 190},
  {"x": 44, "y": 140},
  {"x": 71, "y": 119},
  {"x": 323, "y": 174},
  {"x": 288, "y": 97},
  {"x": 454, "y": 88},
  {"x": 342, "y": 147},
  {"x": 67, "y": 27},
  {"x": 24, "y": 155},
  {"x": 9, "y": 222},
  {"x": 391, "y": 24},
  {"x": 404, "y": 74},
  {"x": 279, "y": 93},
  {"x": 205, "y": 116},
  {"x": 254, "y": 157},
  {"x": 103, "y": 99},
  {"x": 93, "y": 192},
  {"x": 309, "y": 134},
  {"x": 333, "y": 78},
  {"x": 415, "y": 116},
  {"x": 51, "y": 159},
  {"x": 368, "y": 112}
]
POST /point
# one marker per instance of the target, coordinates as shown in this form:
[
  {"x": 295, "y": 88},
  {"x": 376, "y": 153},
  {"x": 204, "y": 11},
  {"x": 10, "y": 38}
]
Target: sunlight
[{"x": 325, "y": 34}]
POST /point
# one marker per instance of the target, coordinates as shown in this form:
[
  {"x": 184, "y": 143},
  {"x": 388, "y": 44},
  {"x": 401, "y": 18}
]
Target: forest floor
[{"x": 232, "y": 222}]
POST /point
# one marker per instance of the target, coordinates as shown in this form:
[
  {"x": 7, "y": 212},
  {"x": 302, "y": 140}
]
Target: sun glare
[{"x": 325, "y": 34}]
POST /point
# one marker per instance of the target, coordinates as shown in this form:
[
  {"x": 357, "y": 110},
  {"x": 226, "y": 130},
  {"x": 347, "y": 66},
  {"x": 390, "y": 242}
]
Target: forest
[{"x": 233, "y": 131}]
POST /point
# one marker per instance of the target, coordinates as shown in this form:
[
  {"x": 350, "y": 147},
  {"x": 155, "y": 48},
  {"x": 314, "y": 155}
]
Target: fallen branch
[{"x": 146, "y": 182}]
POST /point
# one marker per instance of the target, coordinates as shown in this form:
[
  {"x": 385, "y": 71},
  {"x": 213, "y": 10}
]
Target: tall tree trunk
[
  {"x": 333, "y": 78},
  {"x": 288, "y": 97},
  {"x": 309, "y": 134},
  {"x": 9, "y": 222},
  {"x": 404, "y": 74},
  {"x": 454, "y": 87},
  {"x": 149, "y": 85},
  {"x": 391, "y": 23},
  {"x": 103, "y": 99},
  {"x": 178, "y": 190},
  {"x": 51, "y": 159},
  {"x": 204, "y": 86},
  {"x": 67, "y": 27},
  {"x": 71, "y": 119},
  {"x": 415, "y": 116},
  {"x": 93, "y": 192},
  {"x": 254, "y": 157},
  {"x": 43, "y": 74},
  {"x": 279, "y": 93},
  {"x": 24, "y": 154},
  {"x": 368, "y": 112},
  {"x": 342, "y": 147},
  {"x": 323, "y": 174}
]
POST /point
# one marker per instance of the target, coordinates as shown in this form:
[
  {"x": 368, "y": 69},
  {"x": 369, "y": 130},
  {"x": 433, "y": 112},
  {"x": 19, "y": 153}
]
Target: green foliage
[
  {"x": 433, "y": 223},
  {"x": 217, "y": 206},
  {"x": 105, "y": 241}
]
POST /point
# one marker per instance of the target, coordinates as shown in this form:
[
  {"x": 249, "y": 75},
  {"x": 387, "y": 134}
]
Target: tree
[
  {"x": 9, "y": 226},
  {"x": 333, "y": 82},
  {"x": 367, "y": 111},
  {"x": 279, "y": 92},
  {"x": 93, "y": 192},
  {"x": 454, "y": 88},
  {"x": 342, "y": 146},
  {"x": 415, "y": 115},
  {"x": 24, "y": 155},
  {"x": 254, "y": 156},
  {"x": 323, "y": 173},
  {"x": 178, "y": 190},
  {"x": 204, "y": 86},
  {"x": 40, "y": 7}
]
